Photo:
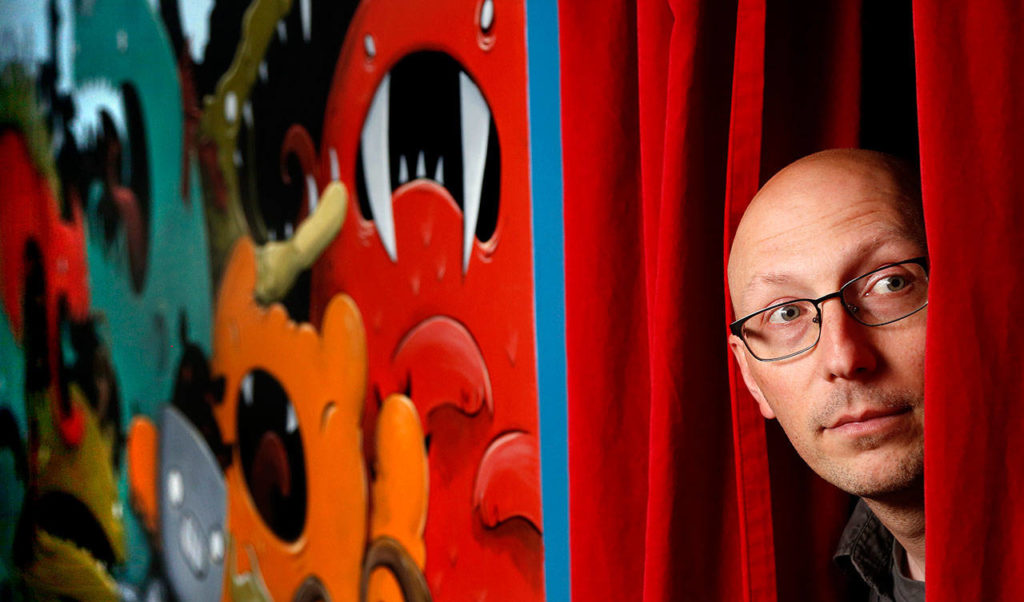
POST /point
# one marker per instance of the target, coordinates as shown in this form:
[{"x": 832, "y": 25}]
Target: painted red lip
[{"x": 866, "y": 415}]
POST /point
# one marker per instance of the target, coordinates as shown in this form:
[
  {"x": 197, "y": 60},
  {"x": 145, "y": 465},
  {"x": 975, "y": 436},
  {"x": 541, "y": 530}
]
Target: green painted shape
[
  {"x": 12, "y": 397},
  {"x": 123, "y": 41}
]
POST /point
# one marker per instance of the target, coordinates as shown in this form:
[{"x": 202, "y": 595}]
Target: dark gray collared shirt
[{"x": 869, "y": 554}]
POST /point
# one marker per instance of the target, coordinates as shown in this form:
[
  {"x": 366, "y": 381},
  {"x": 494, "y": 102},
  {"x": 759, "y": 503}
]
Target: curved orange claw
[{"x": 400, "y": 490}]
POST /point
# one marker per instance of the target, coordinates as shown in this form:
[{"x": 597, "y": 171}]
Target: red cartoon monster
[{"x": 427, "y": 124}]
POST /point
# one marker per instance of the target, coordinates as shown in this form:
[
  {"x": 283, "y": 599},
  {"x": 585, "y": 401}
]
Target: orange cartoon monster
[{"x": 297, "y": 486}]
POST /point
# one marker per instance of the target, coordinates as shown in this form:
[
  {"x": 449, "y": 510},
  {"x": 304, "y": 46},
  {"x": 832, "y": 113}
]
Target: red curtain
[
  {"x": 970, "y": 74},
  {"x": 674, "y": 112},
  {"x": 608, "y": 388},
  {"x": 653, "y": 510}
]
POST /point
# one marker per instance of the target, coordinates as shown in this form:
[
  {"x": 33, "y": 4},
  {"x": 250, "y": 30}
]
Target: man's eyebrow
[{"x": 767, "y": 279}]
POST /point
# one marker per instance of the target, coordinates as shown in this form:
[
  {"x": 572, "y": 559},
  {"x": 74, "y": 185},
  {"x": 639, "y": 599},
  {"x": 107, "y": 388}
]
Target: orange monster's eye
[{"x": 271, "y": 451}]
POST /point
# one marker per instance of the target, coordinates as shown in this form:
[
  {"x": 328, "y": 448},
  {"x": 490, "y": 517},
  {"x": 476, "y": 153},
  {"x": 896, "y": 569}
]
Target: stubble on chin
[{"x": 902, "y": 466}]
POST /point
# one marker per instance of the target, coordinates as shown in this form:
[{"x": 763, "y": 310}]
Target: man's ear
[{"x": 743, "y": 359}]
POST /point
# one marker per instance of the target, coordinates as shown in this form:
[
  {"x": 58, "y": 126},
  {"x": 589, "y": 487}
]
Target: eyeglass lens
[{"x": 879, "y": 297}]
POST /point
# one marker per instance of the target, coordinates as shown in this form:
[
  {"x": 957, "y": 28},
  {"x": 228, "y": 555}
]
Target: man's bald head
[{"x": 792, "y": 204}]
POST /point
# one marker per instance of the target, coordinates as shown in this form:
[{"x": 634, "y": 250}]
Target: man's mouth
[
  {"x": 868, "y": 420},
  {"x": 429, "y": 121}
]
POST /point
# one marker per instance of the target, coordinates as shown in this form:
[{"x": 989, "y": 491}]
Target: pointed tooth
[
  {"x": 335, "y": 171},
  {"x": 476, "y": 121},
  {"x": 439, "y": 171},
  {"x": 306, "y": 12},
  {"x": 282, "y": 32},
  {"x": 312, "y": 196},
  {"x": 247, "y": 389},
  {"x": 403, "y": 170},
  {"x": 263, "y": 71},
  {"x": 289, "y": 229},
  {"x": 377, "y": 166},
  {"x": 291, "y": 422},
  {"x": 421, "y": 166}
]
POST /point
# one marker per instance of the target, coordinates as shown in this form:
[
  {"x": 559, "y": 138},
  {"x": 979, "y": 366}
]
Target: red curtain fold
[
  {"x": 752, "y": 476},
  {"x": 645, "y": 108},
  {"x": 692, "y": 537},
  {"x": 608, "y": 387},
  {"x": 970, "y": 83}
]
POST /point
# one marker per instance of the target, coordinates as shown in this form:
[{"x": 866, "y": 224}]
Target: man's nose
[{"x": 845, "y": 345}]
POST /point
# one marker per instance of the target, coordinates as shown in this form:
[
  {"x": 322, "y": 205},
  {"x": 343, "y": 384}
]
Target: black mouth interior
[
  {"x": 63, "y": 515},
  {"x": 272, "y": 457},
  {"x": 425, "y": 117}
]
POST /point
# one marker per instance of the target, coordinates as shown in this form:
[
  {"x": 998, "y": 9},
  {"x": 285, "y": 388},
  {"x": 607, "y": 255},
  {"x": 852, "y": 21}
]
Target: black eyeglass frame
[{"x": 736, "y": 327}]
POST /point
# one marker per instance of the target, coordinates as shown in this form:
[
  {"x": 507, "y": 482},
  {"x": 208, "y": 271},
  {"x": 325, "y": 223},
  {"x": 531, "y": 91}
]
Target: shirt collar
[{"x": 866, "y": 546}]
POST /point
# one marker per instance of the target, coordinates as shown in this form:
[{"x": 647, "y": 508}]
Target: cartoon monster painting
[
  {"x": 297, "y": 487},
  {"x": 427, "y": 124},
  {"x": 330, "y": 203}
]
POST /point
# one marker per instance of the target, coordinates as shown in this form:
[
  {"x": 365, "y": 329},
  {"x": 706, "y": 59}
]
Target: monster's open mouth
[
  {"x": 63, "y": 516},
  {"x": 429, "y": 120},
  {"x": 270, "y": 447}
]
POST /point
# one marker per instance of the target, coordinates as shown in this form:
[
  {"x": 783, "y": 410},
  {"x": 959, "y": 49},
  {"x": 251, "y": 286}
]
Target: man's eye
[
  {"x": 890, "y": 284},
  {"x": 786, "y": 313}
]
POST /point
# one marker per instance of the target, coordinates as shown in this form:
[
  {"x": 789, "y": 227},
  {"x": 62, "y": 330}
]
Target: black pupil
[{"x": 271, "y": 451}]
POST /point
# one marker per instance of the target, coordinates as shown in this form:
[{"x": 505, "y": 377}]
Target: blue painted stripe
[{"x": 549, "y": 281}]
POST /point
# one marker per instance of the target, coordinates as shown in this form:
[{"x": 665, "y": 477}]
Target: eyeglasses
[{"x": 882, "y": 296}]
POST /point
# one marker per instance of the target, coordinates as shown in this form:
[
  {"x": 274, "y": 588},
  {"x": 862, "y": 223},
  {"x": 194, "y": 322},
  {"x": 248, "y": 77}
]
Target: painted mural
[{"x": 267, "y": 299}]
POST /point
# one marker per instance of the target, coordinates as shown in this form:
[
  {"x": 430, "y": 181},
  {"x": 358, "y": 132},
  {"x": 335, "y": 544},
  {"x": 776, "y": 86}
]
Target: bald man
[{"x": 828, "y": 275}]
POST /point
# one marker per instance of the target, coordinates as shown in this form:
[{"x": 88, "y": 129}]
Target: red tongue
[
  {"x": 506, "y": 482},
  {"x": 270, "y": 473},
  {"x": 440, "y": 363}
]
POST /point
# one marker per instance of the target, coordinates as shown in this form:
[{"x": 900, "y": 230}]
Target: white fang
[
  {"x": 421, "y": 166},
  {"x": 247, "y": 389},
  {"x": 306, "y": 12},
  {"x": 476, "y": 121},
  {"x": 403, "y": 170},
  {"x": 376, "y": 166},
  {"x": 291, "y": 422},
  {"x": 335, "y": 171},
  {"x": 312, "y": 196}
]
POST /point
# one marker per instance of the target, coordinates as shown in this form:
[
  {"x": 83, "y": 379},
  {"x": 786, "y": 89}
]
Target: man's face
[{"x": 853, "y": 405}]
